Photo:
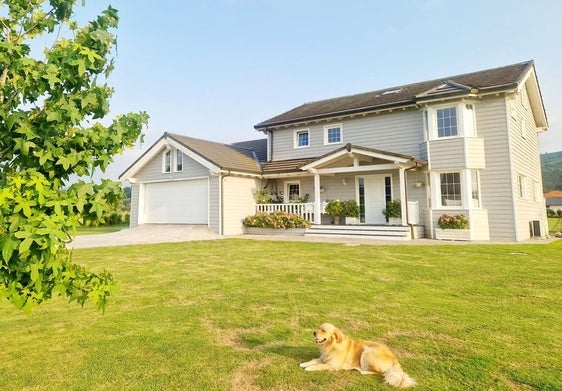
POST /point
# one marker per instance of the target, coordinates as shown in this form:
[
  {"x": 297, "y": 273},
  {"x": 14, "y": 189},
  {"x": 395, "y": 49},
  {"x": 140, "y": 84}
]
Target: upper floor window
[
  {"x": 332, "y": 134},
  {"x": 447, "y": 122},
  {"x": 179, "y": 160},
  {"x": 167, "y": 161},
  {"x": 457, "y": 120},
  {"x": 301, "y": 138},
  {"x": 522, "y": 186}
]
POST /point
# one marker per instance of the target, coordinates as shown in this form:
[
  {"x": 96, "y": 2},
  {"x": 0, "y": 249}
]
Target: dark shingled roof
[
  {"x": 490, "y": 80},
  {"x": 251, "y": 147},
  {"x": 224, "y": 156}
]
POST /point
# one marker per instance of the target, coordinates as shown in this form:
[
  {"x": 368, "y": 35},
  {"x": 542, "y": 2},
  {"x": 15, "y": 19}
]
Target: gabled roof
[
  {"x": 213, "y": 155},
  {"x": 351, "y": 150},
  {"x": 501, "y": 79}
]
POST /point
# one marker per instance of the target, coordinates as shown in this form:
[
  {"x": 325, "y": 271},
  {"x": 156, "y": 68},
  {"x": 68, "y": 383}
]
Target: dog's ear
[{"x": 338, "y": 335}]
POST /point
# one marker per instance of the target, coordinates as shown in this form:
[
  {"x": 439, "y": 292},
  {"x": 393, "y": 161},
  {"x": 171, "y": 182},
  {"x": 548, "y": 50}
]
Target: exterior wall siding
[
  {"x": 214, "y": 204},
  {"x": 134, "y": 220},
  {"x": 447, "y": 154},
  {"x": 152, "y": 171},
  {"x": 400, "y": 132},
  {"x": 525, "y": 162},
  {"x": 238, "y": 202},
  {"x": 496, "y": 183}
]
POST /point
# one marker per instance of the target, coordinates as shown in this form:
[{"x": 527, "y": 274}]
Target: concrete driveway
[{"x": 144, "y": 234}]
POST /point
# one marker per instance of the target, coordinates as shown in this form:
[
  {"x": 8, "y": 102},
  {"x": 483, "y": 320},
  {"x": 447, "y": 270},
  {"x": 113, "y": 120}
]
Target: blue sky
[{"x": 214, "y": 68}]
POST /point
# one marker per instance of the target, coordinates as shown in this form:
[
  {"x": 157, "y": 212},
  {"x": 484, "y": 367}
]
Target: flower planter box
[
  {"x": 452, "y": 234},
  {"x": 274, "y": 231},
  {"x": 395, "y": 221}
]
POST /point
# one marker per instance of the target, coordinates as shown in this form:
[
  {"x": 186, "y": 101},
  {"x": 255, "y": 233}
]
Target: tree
[{"x": 50, "y": 129}]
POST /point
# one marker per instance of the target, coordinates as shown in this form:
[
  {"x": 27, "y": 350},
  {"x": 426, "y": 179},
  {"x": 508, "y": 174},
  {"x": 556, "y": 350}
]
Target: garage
[{"x": 177, "y": 202}]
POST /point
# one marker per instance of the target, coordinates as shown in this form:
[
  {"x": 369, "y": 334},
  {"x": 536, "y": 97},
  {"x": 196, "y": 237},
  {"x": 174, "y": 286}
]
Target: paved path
[{"x": 145, "y": 234}]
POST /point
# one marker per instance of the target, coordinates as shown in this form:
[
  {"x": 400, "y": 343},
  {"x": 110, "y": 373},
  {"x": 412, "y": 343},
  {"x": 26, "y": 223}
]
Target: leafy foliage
[
  {"x": 278, "y": 219},
  {"x": 393, "y": 209},
  {"x": 348, "y": 208},
  {"x": 551, "y": 164},
  {"x": 49, "y": 120},
  {"x": 453, "y": 222}
]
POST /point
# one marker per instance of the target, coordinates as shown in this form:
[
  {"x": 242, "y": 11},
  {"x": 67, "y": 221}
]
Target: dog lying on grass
[{"x": 339, "y": 351}]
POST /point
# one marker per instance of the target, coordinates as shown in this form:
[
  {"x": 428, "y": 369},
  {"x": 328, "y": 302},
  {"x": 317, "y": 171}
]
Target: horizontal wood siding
[
  {"x": 238, "y": 202},
  {"x": 495, "y": 180},
  {"x": 447, "y": 154},
  {"x": 400, "y": 132},
  {"x": 134, "y": 220},
  {"x": 475, "y": 156},
  {"x": 214, "y": 204},
  {"x": 152, "y": 171},
  {"x": 525, "y": 161}
]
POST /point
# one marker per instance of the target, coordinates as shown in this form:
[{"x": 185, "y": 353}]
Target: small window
[
  {"x": 475, "y": 189},
  {"x": 521, "y": 187},
  {"x": 332, "y": 134},
  {"x": 451, "y": 189},
  {"x": 447, "y": 122},
  {"x": 179, "y": 160},
  {"x": 301, "y": 139},
  {"x": 293, "y": 191},
  {"x": 167, "y": 161}
]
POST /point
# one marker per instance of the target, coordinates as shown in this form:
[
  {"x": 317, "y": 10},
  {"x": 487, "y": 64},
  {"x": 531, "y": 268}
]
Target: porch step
[{"x": 381, "y": 232}]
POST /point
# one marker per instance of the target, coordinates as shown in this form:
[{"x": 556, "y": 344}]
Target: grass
[
  {"x": 237, "y": 314},
  {"x": 100, "y": 230},
  {"x": 554, "y": 225}
]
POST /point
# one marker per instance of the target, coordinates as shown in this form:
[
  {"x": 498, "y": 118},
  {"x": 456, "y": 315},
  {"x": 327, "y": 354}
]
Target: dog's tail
[{"x": 398, "y": 378}]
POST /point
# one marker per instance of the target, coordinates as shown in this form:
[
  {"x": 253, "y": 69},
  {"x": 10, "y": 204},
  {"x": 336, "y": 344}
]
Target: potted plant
[
  {"x": 351, "y": 211},
  {"x": 393, "y": 212},
  {"x": 338, "y": 209}
]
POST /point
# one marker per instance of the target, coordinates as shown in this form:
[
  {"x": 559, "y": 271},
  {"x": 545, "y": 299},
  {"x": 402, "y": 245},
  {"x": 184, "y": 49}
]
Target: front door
[{"x": 372, "y": 198}]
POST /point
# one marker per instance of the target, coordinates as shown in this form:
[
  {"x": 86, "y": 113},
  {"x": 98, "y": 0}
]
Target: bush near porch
[
  {"x": 277, "y": 219},
  {"x": 238, "y": 314}
]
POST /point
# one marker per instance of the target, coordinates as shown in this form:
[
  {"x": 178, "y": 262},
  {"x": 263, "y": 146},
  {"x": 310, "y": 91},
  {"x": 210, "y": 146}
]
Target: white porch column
[
  {"x": 317, "y": 207},
  {"x": 403, "y": 200}
]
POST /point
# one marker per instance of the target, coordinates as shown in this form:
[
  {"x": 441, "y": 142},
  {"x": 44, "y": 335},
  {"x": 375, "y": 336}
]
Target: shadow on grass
[{"x": 297, "y": 353}]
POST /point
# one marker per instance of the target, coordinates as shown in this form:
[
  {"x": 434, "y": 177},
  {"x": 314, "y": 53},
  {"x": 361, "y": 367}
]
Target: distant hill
[{"x": 551, "y": 164}]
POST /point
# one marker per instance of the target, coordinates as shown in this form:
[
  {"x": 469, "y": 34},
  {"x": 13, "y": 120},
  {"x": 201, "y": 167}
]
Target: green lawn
[
  {"x": 100, "y": 230},
  {"x": 554, "y": 225},
  {"x": 238, "y": 314}
]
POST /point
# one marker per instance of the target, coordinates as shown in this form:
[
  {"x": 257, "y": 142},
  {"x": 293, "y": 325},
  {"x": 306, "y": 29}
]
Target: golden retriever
[{"x": 339, "y": 351}]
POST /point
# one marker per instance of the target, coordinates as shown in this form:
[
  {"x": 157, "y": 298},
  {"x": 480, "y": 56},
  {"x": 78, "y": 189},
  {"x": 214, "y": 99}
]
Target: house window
[
  {"x": 447, "y": 122},
  {"x": 522, "y": 191},
  {"x": 387, "y": 188},
  {"x": 167, "y": 161},
  {"x": 475, "y": 186},
  {"x": 537, "y": 191},
  {"x": 301, "y": 139},
  {"x": 362, "y": 200},
  {"x": 332, "y": 134},
  {"x": 293, "y": 191},
  {"x": 179, "y": 160},
  {"x": 451, "y": 189}
]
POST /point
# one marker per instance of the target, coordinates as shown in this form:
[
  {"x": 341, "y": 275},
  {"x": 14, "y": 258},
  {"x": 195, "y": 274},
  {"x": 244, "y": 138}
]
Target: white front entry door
[{"x": 375, "y": 199}]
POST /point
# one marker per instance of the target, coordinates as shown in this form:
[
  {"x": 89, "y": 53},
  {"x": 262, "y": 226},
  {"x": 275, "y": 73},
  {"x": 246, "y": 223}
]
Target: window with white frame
[
  {"x": 332, "y": 134},
  {"x": 521, "y": 186},
  {"x": 167, "y": 161},
  {"x": 475, "y": 187},
  {"x": 301, "y": 139},
  {"x": 450, "y": 186},
  {"x": 447, "y": 122},
  {"x": 292, "y": 191},
  {"x": 179, "y": 160}
]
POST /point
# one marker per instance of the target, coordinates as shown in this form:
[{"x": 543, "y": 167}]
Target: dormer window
[
  {"x": 172, "y": 158},
  {"x": 179, "y": 160}
]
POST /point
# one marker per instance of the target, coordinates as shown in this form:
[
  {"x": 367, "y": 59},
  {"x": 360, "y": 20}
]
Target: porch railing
[{"x": 306, "y": 210}]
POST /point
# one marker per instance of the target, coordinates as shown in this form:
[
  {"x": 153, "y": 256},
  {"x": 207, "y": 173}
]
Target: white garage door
[{"x": 180, "y": 202}]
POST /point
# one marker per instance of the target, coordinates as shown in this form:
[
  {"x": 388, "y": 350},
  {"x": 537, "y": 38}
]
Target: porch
[{"x": 354, "y": 228}]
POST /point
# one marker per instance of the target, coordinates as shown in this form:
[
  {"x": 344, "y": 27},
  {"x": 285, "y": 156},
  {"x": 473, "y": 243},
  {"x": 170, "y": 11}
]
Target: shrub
[
  {"x": 347, "y": 208},
  {"x": 559, "y": 213},
  {"x": 393, "y": 209},
  {"x": 453, "y": 222},
  {"x": 278, "y": 219},
  {"x": 550, "y": 212}
]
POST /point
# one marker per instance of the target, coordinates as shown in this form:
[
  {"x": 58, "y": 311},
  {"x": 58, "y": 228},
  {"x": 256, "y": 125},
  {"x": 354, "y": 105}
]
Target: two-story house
[{"x": 465, "y": 144}]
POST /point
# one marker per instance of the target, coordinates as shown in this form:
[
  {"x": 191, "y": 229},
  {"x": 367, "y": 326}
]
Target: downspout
[{"x": 221, "y": 198}]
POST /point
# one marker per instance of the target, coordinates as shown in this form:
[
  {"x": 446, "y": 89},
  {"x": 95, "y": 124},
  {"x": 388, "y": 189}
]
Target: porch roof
[{"x": 353, "y": 151}]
